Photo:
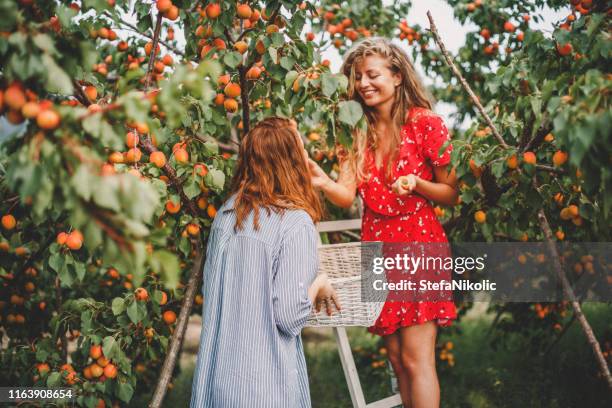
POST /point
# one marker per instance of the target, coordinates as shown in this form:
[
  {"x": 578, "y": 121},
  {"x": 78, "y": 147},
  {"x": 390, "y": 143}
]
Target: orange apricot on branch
[
  {"x": 158, "y": 159},
  {"x": 529, "y": 158},
  {"x": 8, "y": 222}
]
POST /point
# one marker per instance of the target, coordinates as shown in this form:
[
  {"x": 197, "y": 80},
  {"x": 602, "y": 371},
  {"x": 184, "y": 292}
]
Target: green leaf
[
  {"x": 349, "y": 112},
  {"x": 287, "y": 62},
  {"x": 83, "y": 183},
  {"x": 273, "y": 54},
  {"x": 124, "y": 391},
  {"x": 54, "y": 379},
  {"x": 329, "y": 84},
  {"x": 133, "y": 312},
  {"x": 45, "y": 43},
  {"x": 105, "y": 195},
  {"x": 232, "y": 59},
  {"x": 110, "y": 347},
  {"x": 57, "y": 80},
  {"x": 191, "y": 188},
  {"x": 118, "y": 306},
  {"x": 65, "y": 14},
  {"x": 167, "y": 265},
  {"x": 215, "y": 179},
  {"x": 290, "y": 77}
]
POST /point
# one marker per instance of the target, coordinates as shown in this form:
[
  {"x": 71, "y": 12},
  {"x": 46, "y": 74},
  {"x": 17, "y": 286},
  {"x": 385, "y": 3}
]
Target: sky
[{"x": 451, "y": 32}]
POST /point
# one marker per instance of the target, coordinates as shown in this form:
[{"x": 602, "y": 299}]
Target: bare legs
[{"x": 411, "y": 351}]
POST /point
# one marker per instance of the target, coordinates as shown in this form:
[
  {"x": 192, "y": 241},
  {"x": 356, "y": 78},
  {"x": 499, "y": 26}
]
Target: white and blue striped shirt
[{"x": 255, "y": 306}]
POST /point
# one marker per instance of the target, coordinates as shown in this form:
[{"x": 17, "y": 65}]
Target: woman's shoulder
[{"x": 295, "y": 218}]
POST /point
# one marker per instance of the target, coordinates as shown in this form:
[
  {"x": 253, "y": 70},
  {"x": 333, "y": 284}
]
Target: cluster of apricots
[
  {"x": 19, "y": 104},
  {"x": 446, "y": 354},
  {"x": 72, "y": 240},
  {"x": 340, "y": 28}
]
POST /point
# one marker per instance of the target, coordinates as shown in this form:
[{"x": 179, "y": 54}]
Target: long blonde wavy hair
[{"x": 410, "y": 93}]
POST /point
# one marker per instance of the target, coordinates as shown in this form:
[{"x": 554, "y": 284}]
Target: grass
[{"x": 482, "y": 377}]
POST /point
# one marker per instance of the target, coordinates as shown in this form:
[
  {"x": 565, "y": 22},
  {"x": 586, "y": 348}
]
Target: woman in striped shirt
[{"x": 260, "y": 278}]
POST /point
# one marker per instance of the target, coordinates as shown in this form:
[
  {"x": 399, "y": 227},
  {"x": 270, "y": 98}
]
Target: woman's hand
[
  {"x": 318, "y": 177},
  {"x": 325, "y": 294},
  {"x": 405, "y": 184}
]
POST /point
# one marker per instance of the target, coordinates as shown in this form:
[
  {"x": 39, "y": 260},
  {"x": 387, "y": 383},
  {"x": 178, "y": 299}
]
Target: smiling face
[{"x": 375, "y": 82}]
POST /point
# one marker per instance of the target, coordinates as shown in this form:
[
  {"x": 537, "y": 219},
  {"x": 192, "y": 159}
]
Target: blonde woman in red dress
[{"x": 398, "y": 171}]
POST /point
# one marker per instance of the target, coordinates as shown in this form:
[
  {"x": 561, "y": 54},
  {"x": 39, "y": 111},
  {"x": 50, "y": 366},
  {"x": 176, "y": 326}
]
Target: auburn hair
[
  {"x": 410, "y": 93},
  {"x": 272, "y": 173}
]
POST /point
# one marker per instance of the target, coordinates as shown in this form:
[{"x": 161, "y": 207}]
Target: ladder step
[{"x": 389, "y": 402}]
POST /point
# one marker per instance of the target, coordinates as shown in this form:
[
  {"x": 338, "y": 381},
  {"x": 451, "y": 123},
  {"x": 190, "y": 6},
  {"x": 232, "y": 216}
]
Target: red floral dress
[{"x": 390, "y": 218}]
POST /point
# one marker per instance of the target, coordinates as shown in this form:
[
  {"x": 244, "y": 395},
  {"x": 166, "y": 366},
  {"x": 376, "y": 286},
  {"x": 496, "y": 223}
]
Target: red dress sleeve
[{"x": 434, "y": 136}]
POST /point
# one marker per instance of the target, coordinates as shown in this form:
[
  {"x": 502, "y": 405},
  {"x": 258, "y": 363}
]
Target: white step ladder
[{"x": 342, "y": 341}]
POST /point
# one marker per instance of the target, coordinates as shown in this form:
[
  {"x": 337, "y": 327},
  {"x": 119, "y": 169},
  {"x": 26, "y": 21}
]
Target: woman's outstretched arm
[{"x": 342, "y": 192}]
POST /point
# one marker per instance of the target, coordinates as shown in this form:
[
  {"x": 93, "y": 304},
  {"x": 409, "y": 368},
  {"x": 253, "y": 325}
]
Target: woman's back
[{"x": 255, "y": 305}]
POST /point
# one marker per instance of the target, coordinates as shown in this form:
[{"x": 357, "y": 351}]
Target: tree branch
[
  {"x": 158, "y": 24},
  {"x": 179, "y": 331},
  {"x": 461, "y": 79},
  {"x": 148, "y": 147}
]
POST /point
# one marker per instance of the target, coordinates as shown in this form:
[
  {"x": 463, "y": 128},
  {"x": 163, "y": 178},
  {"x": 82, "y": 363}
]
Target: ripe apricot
[
  {"x": 243, "y": 11},
  {"x": 509, "y": 27},
  {"x": 559, "y": 158},
  {"x": 232, "y": 90},
  {"x": 131, "y": 139},
  {"x": 167, "y": 60},
  {"x": 96, "y": 370},
  {"x": 230, "y": 105},
  {"x": 193, "y": 229},
  {"x": 213, "y": 10},
  {"x": 95, "y": 351},
  {"x": 480, "y": 217},
  {"x": 158, "y": 159},
  {"x": 74, "y": 241},
  {"x": 512, "y": 162},
  {"x": 529, "y": 157},
  {"x": 202, "y": 203},
  {"x": 253, "y": 73},
  {"x": 8, "y": 222},
  {"x": 211, "y": 211},
  {"x": 48, "y": 119},
  {"x": 223, "y": 79},
  {"x": 141, "y": 294},
  {"x": 163, "y": 5},
  {"x": 102, "y": 361},
  {"x": 169, "y": 317},
  {"x": 30, "y": 110},
  {"x": 564, "y": 49},
  {"x": 116, "y": 157},
  {"x": 219, "y": 99},
  {"x": 181, "y": 156},
  {"x": 241, "y": 46},
  {"x": 110, "y": 371},
  {"x": 173, "y": 208},
  {"x": 172, "y": 13},
  {"x": 14, "y": 96},
  {"x": 133, "y": 155},
  {"x": 91, "y": 92}
]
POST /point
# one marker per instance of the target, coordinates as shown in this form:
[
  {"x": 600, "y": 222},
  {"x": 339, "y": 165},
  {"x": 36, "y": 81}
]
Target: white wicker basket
[{"x": 342, "y": 264}]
